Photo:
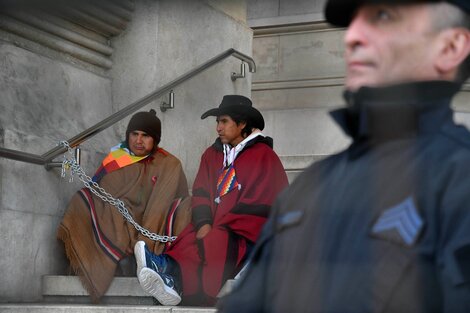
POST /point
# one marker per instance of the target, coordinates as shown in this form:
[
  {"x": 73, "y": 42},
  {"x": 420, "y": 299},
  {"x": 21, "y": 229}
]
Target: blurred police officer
[{"x": 383, "y": 226}]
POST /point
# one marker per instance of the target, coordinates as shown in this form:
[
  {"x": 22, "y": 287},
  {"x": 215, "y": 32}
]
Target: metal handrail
[
  {"x": 119, "y": 115},
  {"x": 22, "y": 156}
]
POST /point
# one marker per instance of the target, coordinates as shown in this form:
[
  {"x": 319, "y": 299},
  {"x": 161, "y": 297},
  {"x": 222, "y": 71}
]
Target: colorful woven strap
[
  {"x": 227, "y": 181},
  {"x": 119, "y": 157}
]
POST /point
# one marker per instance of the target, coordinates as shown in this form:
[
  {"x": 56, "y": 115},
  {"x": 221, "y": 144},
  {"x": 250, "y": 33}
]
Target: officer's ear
[{"x": 453, "y": 48}]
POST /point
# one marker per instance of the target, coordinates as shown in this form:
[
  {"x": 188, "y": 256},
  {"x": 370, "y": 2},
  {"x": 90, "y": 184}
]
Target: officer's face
[
  {"x": 387, "y": 44},
  {"x": 140, "y": 143}
]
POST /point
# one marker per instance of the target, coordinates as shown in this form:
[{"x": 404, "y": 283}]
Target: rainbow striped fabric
[
  {"x": 119, "y": 157},
  {"x": 227, "y": 181}
]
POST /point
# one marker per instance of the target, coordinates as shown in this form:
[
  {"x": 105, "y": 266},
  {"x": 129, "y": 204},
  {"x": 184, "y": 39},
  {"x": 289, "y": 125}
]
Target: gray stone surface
[
  {"x": 311, "y": 54},
  {"x": 291, "y": 56},
  {"x": 298, "y": 7},
  {"x": 49, "y": 24},
  {"x": 263, "y": 9},
  {"x": 235, "y": 9},
  {"x": 296, "y": 164},
  {"x": 300, "y": 162},
  {"x": 304, "y": 132},
  {"x": 461, "y": 103},
  {"x": 68, "y": 289},
  {"x": 28, "y": 238},
  {"x": 314, "y": 95},
  {"x": 43, "y": 101},
  {"x": 56, "y": 285},
  {"x": 299, "y": 79},
  {"x": 44, "y": 94},
  {"x": 279, "y": 8},
  {"x": 175, "y": 37},
  {"x": 462, "y": 118},
  {"x": 41, "y": 308},
  {"x": 268, "y": 13}
]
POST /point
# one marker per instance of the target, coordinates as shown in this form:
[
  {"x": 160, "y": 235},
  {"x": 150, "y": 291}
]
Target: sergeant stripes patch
[{"x": 404, "y": 219}]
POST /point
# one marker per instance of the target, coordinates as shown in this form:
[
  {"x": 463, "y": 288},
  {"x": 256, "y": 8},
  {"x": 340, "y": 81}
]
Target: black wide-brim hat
[
  {"x": 341, "y": 12},
  {"x": 238, "y": 105}
]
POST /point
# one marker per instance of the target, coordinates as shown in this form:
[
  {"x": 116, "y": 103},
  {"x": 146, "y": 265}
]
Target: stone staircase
[
  {"x": 62, "y": 294},
  {"x": 68, "y": 289},
  {"x": 65, "y": 294},
  {"x": 88, "y": 308}
]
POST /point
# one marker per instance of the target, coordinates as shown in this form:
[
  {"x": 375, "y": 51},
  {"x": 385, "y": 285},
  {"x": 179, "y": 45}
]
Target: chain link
[{"x": 75, "y": 168}]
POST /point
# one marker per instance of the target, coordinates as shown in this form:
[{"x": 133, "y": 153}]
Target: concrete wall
[
  {"x": 282, "y": 12},
  {"x": 174, "y": 38},
  {"x": 300, "y": 78},
  {"x": 295, "y": 91},
  {"x": 43, "y": 101},
  {"x": 46, "y": 99},
  {"x": 235, "y": 9}
]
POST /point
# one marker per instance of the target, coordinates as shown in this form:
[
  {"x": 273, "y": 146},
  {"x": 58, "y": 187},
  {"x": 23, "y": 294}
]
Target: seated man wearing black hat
[
  {"x": 152, "y": 185},
  {"x": 383, "y": 226},
  {"x": 238, "y": 179}
]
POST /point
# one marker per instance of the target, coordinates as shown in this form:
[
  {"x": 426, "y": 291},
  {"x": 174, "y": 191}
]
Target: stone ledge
[
  {"x": 286, "y": 21},
  {"x": 71, "y": 286},
  {"x": 48, "y": 308},
  {"x": 296, "y": 163},
  {"x": 309, "y": 82},
  {"x": 68, "y": 289}
]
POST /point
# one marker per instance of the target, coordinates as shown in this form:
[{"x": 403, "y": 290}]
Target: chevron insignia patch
[{"x": 401, "y": 223}]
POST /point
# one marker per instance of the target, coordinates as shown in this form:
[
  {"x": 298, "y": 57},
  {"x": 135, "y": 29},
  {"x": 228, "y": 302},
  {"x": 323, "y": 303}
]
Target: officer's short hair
[{"x": 449, "y": 16}]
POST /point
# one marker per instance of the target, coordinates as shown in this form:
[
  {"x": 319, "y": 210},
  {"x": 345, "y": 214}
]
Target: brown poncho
[{"x": 95, "y": 234}]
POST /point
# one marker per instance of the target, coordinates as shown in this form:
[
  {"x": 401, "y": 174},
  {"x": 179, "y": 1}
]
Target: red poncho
[{"x": 236, "y": 221}]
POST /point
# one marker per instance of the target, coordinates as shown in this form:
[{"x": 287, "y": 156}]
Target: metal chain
[{"x": 72, "y": 164}]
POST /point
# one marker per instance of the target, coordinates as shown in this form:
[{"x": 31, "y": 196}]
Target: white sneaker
[
  {"x": 158, "y": 285},
  {"x": 139, "y": 253}
]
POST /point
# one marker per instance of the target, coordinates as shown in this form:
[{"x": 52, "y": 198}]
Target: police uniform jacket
[{"x": 383, "y": 226}]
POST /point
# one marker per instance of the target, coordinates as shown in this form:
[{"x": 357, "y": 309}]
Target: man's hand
[{"x": 203, "y": 231}]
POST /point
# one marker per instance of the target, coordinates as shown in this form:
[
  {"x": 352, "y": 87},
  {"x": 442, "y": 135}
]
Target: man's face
[
  {"x": 229, "y": 132},
  {"x": 388, "y": 44},
  {"x": 140, "y": 143}
]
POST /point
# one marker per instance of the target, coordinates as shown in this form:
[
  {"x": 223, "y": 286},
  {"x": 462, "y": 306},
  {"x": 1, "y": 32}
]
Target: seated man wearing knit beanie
[{"x": 152, "y": 185}]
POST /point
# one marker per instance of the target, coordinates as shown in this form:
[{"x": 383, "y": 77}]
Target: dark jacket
[{"x": 383, "y": 226}]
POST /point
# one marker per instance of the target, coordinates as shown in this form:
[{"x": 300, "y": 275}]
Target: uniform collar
[
  {"x": 376, "y": 115},
  {"x": 393, "y": 110}
]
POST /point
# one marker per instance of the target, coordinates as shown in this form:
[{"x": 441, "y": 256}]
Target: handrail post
[
  {"x": 77, "y": 155},
  {"x": 171, "y": 102}
]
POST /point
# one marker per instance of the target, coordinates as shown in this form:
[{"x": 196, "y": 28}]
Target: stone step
[
  {"x": 123, "y": 290},
  {"x": 66, "y": 294},
  {"x": 68, "y": 289},
  {"x": 87, "y": 308},
  {"x": 295, "y": 164}
]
